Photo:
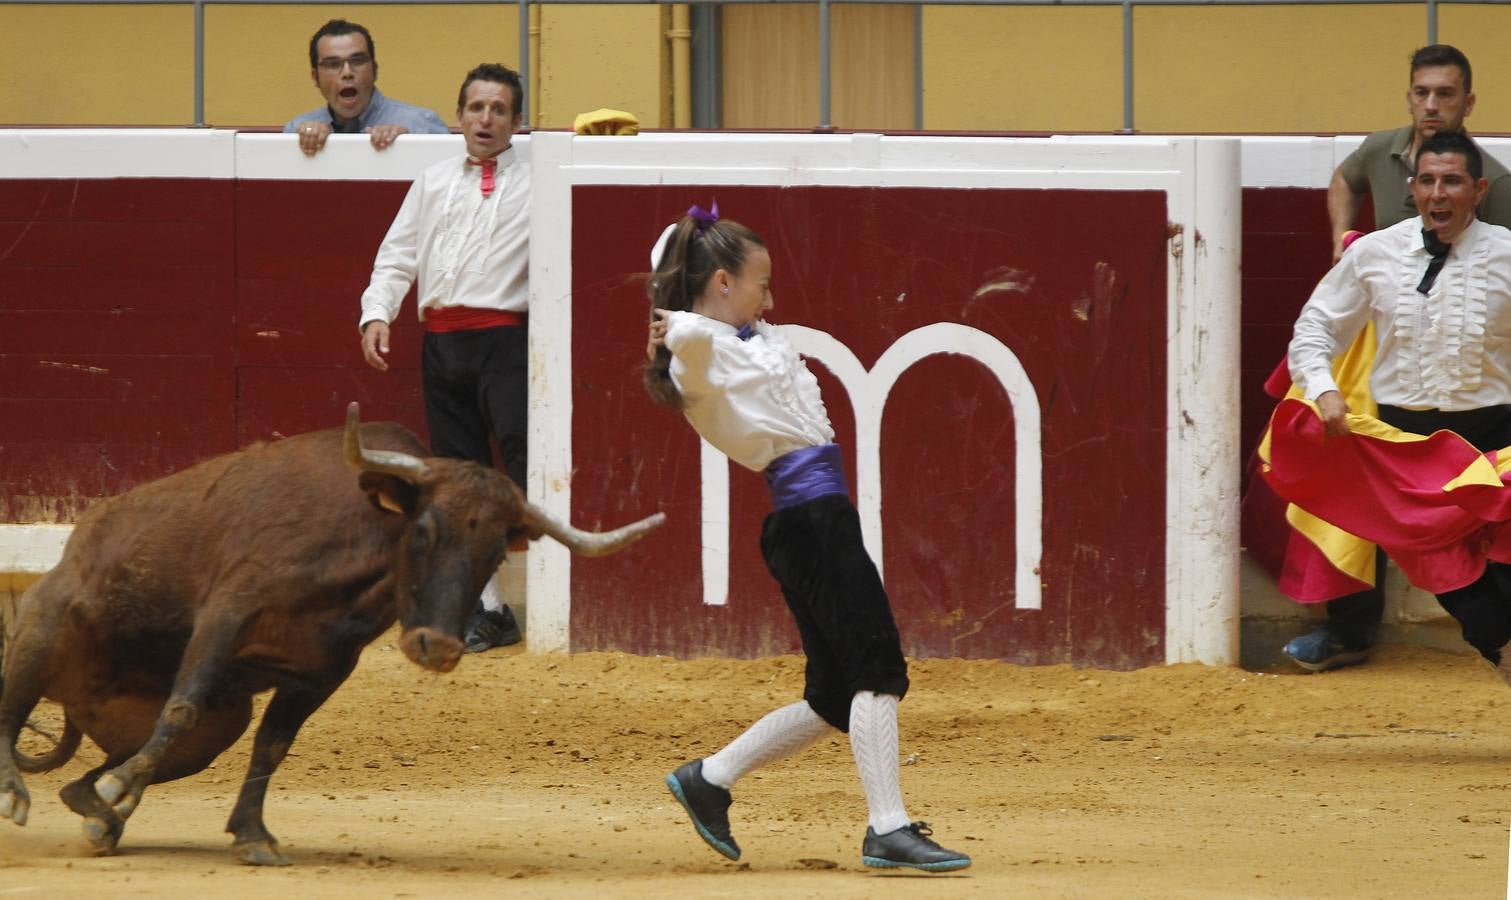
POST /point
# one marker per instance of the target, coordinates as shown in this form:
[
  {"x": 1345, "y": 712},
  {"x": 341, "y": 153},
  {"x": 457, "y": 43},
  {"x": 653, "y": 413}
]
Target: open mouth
[
  {"x": 1440, "y": 216},
  {"x": 348, "y": 93}
]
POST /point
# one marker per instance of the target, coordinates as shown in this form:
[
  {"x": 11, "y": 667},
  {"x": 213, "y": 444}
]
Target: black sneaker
[
  {"x": 1320, "y": 651},
  {"x": 909, "y": 846},
  {"x": 489, "y": 628},
  {"x": 706, "y": 804}
]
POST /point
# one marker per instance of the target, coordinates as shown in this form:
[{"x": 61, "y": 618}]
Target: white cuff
[{"x": 1319, "y": 383}]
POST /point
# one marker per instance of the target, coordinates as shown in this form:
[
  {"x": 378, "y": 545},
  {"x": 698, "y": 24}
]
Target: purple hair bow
[{"x": 704, "y": 218}]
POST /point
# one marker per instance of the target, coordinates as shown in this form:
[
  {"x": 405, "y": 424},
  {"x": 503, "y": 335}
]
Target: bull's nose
[{"x": 431, "y": 649}]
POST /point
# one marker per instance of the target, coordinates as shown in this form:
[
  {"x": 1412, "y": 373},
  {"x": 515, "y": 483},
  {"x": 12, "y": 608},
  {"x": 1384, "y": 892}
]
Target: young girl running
[{"x": 746, "y": 391}]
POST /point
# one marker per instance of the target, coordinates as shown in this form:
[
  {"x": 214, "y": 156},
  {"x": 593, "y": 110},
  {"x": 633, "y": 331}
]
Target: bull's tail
[
  {"x": 589, "y": 543},
  {"x": 64, "y": 747}
]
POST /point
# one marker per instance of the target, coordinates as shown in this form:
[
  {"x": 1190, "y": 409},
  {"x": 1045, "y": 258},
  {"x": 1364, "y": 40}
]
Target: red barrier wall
[
  {"x": 304, "y": 252},
  {"x": 118, "y": 303},
  {"x": 868, "y": 265},
  {"x": 148, "y": 323},
  {"x": 1287, "y": 248}
]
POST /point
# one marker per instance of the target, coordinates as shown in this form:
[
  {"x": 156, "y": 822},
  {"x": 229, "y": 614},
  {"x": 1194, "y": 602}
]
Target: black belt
[{"x": 1487, "y": 428}]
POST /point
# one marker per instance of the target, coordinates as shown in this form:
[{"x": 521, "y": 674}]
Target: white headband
[
  {"x": 660, "y": 249},
  {"x": 705, "y": 220}
]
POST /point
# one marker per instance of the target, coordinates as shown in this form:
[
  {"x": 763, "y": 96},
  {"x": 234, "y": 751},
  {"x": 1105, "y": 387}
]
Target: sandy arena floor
[{"x": 540, "y": 776}]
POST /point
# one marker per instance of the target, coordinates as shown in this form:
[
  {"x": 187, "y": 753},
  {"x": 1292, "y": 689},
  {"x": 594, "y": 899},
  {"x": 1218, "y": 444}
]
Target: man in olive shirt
[{"x": 1440, "y": 97}]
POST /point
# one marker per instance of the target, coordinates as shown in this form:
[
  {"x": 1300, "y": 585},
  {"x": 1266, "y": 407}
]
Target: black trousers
[
  {"x": 1483, "y": 609},
  {"x": 1354, "y": 620},
  {"x": 476, "y": 386},
  {"x": 835, "y": 594}
]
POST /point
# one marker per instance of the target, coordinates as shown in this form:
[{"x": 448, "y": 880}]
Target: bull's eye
[{"x": 472, "y": 523}]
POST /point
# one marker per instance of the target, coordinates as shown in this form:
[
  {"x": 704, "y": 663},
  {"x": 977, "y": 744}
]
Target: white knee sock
[
  {"x": 873, "y": 739},
  {"x": 778, "y": 734}
]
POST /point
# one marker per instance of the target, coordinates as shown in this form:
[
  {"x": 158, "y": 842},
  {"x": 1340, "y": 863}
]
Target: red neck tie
[{"x": 487, "y": 165}]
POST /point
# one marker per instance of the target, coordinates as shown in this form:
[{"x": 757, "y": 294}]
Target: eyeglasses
[{"x": 334, "y": 64}]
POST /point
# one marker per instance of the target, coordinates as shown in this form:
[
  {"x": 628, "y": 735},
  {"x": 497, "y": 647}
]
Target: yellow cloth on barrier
[{"x": 606, "y": 121}]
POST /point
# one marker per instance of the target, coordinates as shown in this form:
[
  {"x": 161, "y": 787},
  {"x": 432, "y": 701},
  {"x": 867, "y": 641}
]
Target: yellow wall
[
  {"x": 139, "y": 64},
  {"x": 771, "y": 66},
  {"x": 96, "y": 65},
  {"x": 1481, "y": 31},
  {"x": 1304, "y": 69},
  {"x": 1283, "y": 68},
  {"x": 257, "y": 67},
  {"x": 1024, "y": 68},
  {"x": 596, "y": 56},
  {"x": 1251, "y": 68}
]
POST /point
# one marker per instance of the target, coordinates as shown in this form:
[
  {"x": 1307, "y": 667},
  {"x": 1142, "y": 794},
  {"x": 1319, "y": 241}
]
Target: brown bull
[{"x": 268, "y": 568}]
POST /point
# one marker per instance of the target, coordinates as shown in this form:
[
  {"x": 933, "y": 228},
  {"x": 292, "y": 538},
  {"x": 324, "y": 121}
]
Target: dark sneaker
[
  {"x": 706, "y": 804},
  {"x": 489, "y": 628},
  {"x": 909, "y": 846},
  {"x": 1320, "y": 651}
]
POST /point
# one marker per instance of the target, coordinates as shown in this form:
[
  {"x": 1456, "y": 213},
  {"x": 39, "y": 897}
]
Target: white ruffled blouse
[
  {"x": 1447, "y": 350},
  {"x": 464, "y": 249},
  {"x": 753, "y": 400}
]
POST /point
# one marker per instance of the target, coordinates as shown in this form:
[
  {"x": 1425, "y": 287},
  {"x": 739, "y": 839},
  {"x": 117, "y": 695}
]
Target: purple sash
[{"x": 806, "y": 474}]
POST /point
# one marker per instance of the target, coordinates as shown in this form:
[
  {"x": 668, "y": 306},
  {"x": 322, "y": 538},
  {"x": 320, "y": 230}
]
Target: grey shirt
[
  {"x": 1382, "y": 167},
  {"x": 381, "y": 111}
]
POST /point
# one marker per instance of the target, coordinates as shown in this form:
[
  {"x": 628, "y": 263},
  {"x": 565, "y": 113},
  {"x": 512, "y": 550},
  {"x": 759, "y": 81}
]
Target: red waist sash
[{"x": 469, "y": 318}]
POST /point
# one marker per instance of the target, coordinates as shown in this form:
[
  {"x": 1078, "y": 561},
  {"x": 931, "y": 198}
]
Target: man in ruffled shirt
[
  {"x": 344, "y": 67},
  {"x": 1437, "y": 287},
  {"x": 463, "y": 233},
  {"x": 1439, "y": 97}
]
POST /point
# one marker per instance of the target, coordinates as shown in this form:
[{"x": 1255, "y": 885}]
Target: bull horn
[
  {"x": 589, "y": 543},
  {"x": 385, "y": 462}
]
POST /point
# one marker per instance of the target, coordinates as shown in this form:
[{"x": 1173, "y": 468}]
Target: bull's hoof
[
  {"x": 102, "y": 834},
  {"x": 110, "y": 787},
  {"x": 261, "y": 853},
  {"x": 126, "y": 807},
  {"x": 14, "y": 805}
]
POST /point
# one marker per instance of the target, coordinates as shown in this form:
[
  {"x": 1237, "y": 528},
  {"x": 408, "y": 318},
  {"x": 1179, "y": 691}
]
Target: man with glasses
[
  {"x": 344, "y": 67},
  {"x": 1437, "y": 289}
]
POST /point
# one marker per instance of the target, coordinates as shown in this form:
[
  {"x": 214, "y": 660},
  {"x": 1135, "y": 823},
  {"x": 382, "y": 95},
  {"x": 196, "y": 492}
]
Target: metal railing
[{"x": 824, "y": 6}]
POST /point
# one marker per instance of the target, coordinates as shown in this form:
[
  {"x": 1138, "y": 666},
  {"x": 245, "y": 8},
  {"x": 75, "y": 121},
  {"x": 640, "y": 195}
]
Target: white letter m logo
[{"x": 868, "y": 393}]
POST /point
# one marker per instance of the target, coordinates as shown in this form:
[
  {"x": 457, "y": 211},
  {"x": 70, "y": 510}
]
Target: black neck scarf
[{"x": 1439, "y": 251}]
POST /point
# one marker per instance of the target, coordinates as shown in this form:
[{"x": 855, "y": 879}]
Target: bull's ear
[{"x": 389, "y": 493}]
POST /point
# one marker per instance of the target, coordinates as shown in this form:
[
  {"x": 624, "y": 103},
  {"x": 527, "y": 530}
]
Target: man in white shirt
[
  {"x": 1438, "y": 289},
  {"x": 463, "y": 233},
  {"x": 1439, "y": 98}
]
